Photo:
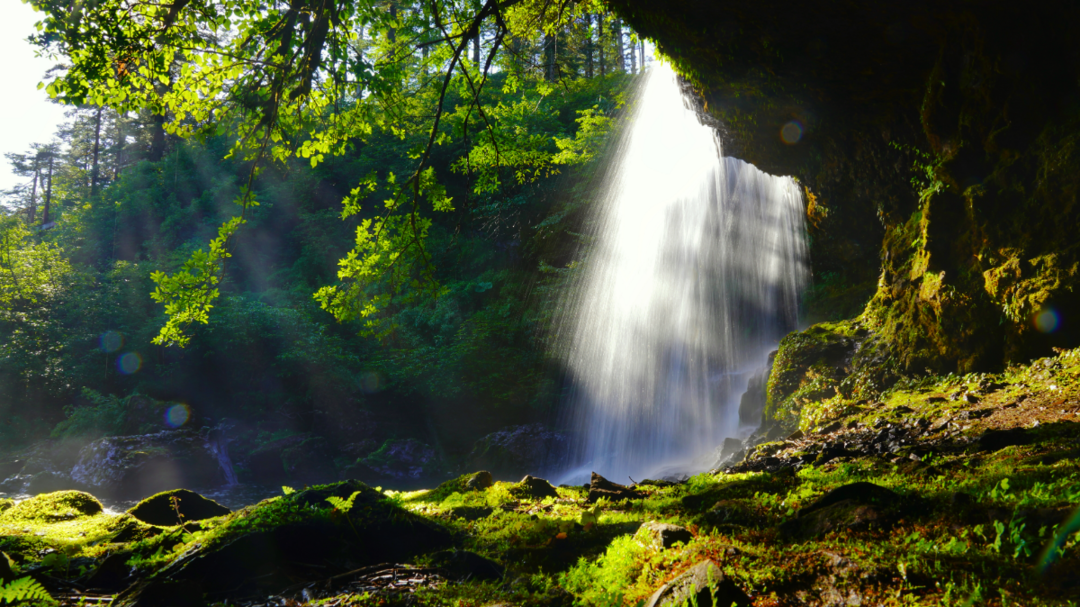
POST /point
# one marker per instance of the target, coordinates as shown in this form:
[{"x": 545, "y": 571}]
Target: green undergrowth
[{"x": 970, "y": 525}]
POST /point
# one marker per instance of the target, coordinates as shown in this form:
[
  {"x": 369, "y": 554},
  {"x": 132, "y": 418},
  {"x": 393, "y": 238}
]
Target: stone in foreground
[
  {"x": 662, "y": 535},
  {"x": 703, "y": 584},
  {"x": 601, "y": 487},
  {"x": 534, "y": 488}
]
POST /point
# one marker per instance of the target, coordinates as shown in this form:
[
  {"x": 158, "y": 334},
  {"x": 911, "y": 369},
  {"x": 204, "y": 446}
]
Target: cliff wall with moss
[{"x": 937, "y": 142}]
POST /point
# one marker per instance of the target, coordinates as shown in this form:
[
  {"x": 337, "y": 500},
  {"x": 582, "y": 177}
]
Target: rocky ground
[{"x": 955, "y": 490}]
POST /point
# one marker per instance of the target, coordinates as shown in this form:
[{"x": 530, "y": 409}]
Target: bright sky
[{"x": 26, "y": 116}]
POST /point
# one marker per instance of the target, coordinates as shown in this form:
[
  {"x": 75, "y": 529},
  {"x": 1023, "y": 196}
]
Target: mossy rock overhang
[
  {"x": 983, "y": 96},
  {"x": 852, "y": 63}
]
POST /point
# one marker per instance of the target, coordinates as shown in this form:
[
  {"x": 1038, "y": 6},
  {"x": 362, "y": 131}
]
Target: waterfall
[
  {"x": 694, "y": 272},
  {"x": 217, "y": 441}
]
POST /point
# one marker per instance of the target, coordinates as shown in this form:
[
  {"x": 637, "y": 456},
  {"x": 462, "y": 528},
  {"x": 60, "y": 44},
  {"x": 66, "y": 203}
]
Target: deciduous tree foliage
[{"x": 306, "y": 79}]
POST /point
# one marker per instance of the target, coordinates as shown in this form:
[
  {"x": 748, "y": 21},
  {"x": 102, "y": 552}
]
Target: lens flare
[
  {"x": 791, "y": 132},
  {"x": 1047, "y": 321},
  {"x": 370, "y": 382},
  {"x": 110, "y": 341},
  {"x": 1055, "y": 548},
  {"x": 177, "y": 415},
  {"x": 129, "y": 363}
]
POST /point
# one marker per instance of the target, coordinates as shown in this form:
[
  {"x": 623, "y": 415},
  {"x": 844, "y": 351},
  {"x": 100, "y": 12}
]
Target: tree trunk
[
  {"x": 600, "y": 41},
  {"x": 48, "y": 192},
  {"x": 633, "y": 57},
  {"x": 588, "y": 46},
  {"x": 476, "y": 48},
  {"x": 118, "y": 155},
  {"x": 549, "y": 57},
  {"x": 33, "y": 192},
  {"x": 94, "y": 166},
  {"x": 641, "y": 47},
  {"x": 620, "y": 55},
  {"x": 157, "y": 137},
  {"x": 392, "y": 34}
]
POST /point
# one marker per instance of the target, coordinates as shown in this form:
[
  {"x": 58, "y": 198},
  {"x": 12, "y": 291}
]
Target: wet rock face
[
  {"x": 515, "y": 450},
  {"x": 405, "y": 460},
  {"x": 127, "y": 467},
  {"x": 189, "y": 507},
  {"x": 11, "y": 468},
  {"x": 752, "y": 404}
]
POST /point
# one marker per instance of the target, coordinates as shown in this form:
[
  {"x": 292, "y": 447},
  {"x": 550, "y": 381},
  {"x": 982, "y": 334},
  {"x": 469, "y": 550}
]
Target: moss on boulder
[
  {"x": 809, "y": 367},
  {"x": 53, "y": 507},
  {"x": 159, "y": 509}
]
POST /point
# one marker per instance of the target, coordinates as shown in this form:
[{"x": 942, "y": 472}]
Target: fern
[
  {"x": 287, "y": 490},
  {"x": 23, "y": 589},
  {"x": 343, "y": 505}
]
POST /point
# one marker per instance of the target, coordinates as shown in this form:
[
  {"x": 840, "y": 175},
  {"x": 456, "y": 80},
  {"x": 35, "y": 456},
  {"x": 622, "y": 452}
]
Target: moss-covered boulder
[
  {"x": 175, "y": 507},
  {"x": 662, "y": 535},
  {"x": 809, "y": 367},
  {"x": 260, "y": 547},
  {"x": 53, "y": 507},
  {"x": 533, "y": 488},
  {"x": 71, "y": 523},
  {"x": 474, "y": 481},
  {"x": 704, "y": 585},
  {"x": 850, "y": 508}
]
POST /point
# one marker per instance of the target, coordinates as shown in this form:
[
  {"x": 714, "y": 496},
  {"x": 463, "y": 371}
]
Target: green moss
[
  {"x": 5, "y": 505},
  {"x": 52, "y": 507},
  {"x": 809, "y": 367},
  {"x": 92, "y": 535}
]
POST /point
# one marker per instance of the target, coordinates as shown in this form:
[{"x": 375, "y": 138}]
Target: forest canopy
[
  {"x": 425, "y": 193},
  {"x": 309, "y": 79}
]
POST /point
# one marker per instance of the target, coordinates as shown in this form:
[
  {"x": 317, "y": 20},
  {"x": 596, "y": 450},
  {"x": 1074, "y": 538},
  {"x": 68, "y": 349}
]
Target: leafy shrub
[
  {"x": 108, "y": 415},
  {"x": 104, "y": 415}
]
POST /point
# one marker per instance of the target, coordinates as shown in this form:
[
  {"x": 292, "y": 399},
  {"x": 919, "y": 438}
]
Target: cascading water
[{"x": 694, "y": 273}]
